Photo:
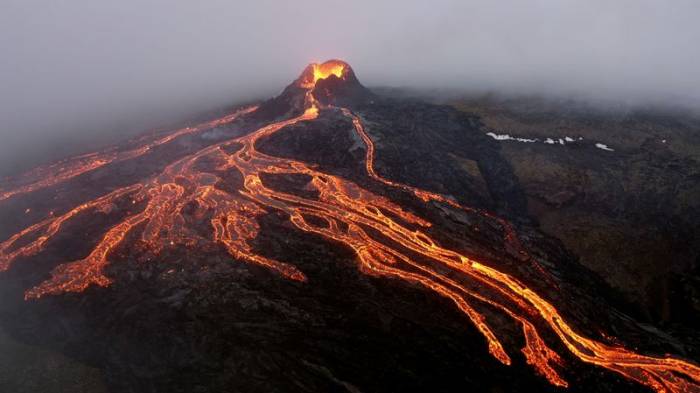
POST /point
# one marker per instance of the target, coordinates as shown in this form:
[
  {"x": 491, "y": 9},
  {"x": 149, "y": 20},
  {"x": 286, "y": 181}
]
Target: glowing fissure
[{"x": 233, "y": 221}]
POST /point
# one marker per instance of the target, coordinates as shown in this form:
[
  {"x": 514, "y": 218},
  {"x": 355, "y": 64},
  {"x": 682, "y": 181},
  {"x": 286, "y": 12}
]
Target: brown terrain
[{"x": 632, "y": 215}]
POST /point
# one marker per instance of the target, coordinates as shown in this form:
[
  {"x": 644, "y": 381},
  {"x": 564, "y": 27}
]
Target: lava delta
[{"x": 293, "y": 226}]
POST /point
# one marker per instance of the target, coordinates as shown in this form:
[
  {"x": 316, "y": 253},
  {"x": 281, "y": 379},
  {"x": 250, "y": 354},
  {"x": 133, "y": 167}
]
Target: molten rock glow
[
  {"x": 315, "y": 72},
  {"x": 333, "y": 67}
]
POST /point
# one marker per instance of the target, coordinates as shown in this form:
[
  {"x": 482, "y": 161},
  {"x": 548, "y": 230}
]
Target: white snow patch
[
  {"x": 549, "y": 141},
  {"x": 506, "y": 137},
  {"x": 663, "y": 141}
]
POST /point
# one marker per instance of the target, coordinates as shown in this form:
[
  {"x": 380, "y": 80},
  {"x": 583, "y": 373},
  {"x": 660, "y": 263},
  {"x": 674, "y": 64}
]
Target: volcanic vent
[
  {"x": 177, "y": 210},
  {"x": 330, "y": 83}
]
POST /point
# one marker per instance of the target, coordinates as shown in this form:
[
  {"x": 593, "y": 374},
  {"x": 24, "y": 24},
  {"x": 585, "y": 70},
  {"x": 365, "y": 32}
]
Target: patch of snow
[
  {"x": 549, "y": 141},
  {"x": 663, "y": 141},
  {"x": 603, "y": 146},
  {"x": 506, "y": 137}
]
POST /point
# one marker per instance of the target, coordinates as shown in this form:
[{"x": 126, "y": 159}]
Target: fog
[{"x": 85, "y": 71}]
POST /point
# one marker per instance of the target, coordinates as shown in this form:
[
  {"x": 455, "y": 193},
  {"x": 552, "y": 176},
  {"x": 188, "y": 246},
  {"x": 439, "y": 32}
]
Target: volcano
[
  {"x": 330, "y": 83},
  {"x": 319, "y": 241}
]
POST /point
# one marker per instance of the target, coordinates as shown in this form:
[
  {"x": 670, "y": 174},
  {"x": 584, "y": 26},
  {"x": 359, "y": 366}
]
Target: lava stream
[{"x": 52, "y": 175}]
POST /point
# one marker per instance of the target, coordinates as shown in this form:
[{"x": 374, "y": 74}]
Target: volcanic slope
[{"x": 273, "y": 250}]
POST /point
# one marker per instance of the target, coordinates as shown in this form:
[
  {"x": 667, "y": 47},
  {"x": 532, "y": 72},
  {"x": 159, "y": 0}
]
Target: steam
[{"x": 79, "y": 71}]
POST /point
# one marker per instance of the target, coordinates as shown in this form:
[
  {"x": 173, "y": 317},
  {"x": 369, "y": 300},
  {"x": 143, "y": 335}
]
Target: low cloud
[{"x": 79, "y": 69}]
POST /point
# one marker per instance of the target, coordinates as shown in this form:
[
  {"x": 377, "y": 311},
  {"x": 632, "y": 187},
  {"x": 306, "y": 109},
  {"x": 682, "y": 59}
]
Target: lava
[
  {"x": 347, "y": 212},
  {"x": 323, "y": 71},
  {"x": 316, "y": 72},
  {"x": 62, "y": 171}
]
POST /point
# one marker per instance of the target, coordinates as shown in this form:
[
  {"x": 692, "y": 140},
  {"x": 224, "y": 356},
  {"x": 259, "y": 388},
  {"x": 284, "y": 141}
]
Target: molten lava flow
[
  {"x": 348, "y": 212},
  {"x": 51, "y": 175},
  {"x": 426, "y": 196}
]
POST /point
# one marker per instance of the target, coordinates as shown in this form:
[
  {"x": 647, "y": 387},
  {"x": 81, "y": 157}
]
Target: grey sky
[{"x": 83, "y": 66}]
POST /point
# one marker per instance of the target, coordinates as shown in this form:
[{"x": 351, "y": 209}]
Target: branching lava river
[{"x": 343, "y": 212}]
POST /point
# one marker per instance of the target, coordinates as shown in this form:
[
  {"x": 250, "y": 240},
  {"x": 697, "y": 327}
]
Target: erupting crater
[
  {"x": 186, "y": 205},
  {"x": 314, "y": 72}
]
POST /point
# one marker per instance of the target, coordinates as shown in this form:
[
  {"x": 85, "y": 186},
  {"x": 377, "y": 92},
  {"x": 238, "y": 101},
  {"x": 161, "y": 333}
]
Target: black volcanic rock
[
  {"x": 288, "y": 104},
  {"x": 631, "y": 212}
]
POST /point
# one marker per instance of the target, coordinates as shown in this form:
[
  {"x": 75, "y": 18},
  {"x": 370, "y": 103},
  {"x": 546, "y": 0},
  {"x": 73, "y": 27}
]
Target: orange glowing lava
[
  {"x": 51, "y": 175},
  {"x": 323, "y": 71},
  {"x": 316, "y": 72},
  {"x": 347, "y": 211}
]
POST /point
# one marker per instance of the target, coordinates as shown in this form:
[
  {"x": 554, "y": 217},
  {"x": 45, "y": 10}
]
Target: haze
[{"x": 79, "y": 72}]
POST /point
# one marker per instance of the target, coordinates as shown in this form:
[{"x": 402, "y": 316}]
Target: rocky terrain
[{"x": 632, "y": 213}]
